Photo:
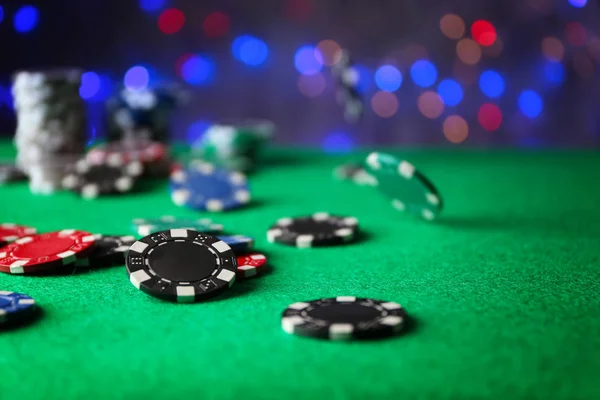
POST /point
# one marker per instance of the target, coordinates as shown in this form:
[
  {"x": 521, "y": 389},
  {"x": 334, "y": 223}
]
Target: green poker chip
[
  {"x": 409, "y": 190},
  {"x": 146, "y": 226}
]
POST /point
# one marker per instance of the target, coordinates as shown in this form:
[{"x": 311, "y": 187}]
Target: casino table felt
[{"x": 502, "y": 291}]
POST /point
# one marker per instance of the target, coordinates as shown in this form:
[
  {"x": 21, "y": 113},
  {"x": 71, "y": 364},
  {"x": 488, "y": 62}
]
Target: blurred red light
[
  {"x": 489, "y": 116},
  {"x": 171, "y": 21},
  {"x": 483, "y": 32},
  {"x": 298, "y": 9},
  {"x": 576, "y": 34},
  {"x": 216, "y": 24}
]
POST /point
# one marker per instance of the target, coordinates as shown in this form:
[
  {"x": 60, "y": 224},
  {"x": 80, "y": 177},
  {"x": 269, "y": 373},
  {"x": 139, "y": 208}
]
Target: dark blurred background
[{"x": 462, "y": 73}]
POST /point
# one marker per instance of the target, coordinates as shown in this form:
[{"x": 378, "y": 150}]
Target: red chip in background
[
  {"x": 10, "y": 232},
  {"x": 44, "y": 252},
  {"x": 250, "y": 264}
]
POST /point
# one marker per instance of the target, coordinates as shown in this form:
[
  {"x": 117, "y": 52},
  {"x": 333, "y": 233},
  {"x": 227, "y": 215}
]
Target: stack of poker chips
[
  {"x": 142, "y": 113},
  {"x": 234, "y": 145},
  {"x": 347, "y": 78},
  {"x": 51, "y": 125}
]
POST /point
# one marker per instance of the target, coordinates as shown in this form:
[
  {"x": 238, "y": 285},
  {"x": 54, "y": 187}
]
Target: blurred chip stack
[
  {"x": 235, "y": 145},
  {"x": 348, "y": 96},
  {"x": 142, "y": 113},
  {"x": 51, "y": 122}
]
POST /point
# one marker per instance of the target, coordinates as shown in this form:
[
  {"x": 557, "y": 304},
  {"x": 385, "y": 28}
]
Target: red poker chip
[
  {"x": 44, "y": 252},
  {"x": 125, "y": 151},
  {"x": 250, "y": 264},
  {"x": 11, "y": 232}
]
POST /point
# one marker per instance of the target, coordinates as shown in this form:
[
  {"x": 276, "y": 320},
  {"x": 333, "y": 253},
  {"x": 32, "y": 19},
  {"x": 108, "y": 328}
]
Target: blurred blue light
[
  {"x": 26, "y": 19},
  {"x": 250, "y": 50},
  {"x": 338, "y": 142},
  {"x": 388, "y": 78},
  {"x": 1, "y": 14},
  {"x": 364, "y": 78},
  {"x": 578, "y": 3},
  {"x": 152, "y": 5},
  {"x": 306, "y": 62},
  {"x": 554, "y": 72},
  {"x": 451, "y": 92},
  {"x": 491, "y": 84},
  {"x": 196, "y": 130},
  {"x": 423, "y": 73},
  {"x": 530, "y": 103},
  {"x": 198, "y": 70},
  {"x": 136, "y": 78},
  {"x": 90, "y": 85}
]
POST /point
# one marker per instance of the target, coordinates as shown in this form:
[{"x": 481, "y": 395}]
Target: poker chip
[
  {"x": 202, "y": 186},
  {"x": 145, "y": 226},
  {"x": 320, "y": 229},
  {"x": 238, "y": 243},
  {"x": 45, "y": 252},
  {"x": 108, "y": 251},
  {"x": 249, "y": 265},
  {"x": 181, "y": 265},
  {"x": 10, "y": 232},
  {"x": 408, "y": 188},
  {"x": 344, "y": 318},
  {"x": 9, "y": 172},
  {"x": 15, "y": 306},
  {"x": 122, "y": 152},
  {"x": 354, "y": 172},
  {"x": 94, "y": 180}
]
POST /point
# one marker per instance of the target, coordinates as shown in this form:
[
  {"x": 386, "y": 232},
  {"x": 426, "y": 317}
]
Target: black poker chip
[
  {"x": 344, "y": 318},
  {"x": 181, "y": 265},
  {"x": 108, "y": 251},
  {"x": 94, "y": 180},
  {"x": 320, "y": 229}
]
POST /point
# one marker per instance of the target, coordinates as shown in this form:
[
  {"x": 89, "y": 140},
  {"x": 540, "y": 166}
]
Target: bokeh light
[
  {"x": 583, "y": 65},
  {"x": 198, "y": 70},
  {"x": 1, "y": 14},
  {"x": 430, "y": 104},
  {"x": 530, "y": 104},
  {"x": 338, "y": 142},
  {"x": 423, "y": 73},
  {"x": 467, "y": 75},
  {"x": 90, "y": 85},
  {"x": 554, "y": 72},
  {"x": 452, "y": 26},
  {"x": 553, "y": 49},
  {"x": 26, "y": 19},
  {"x": 196, "y": 130},
  {"x": 483, "y": 32},
  {"x": 171, "y": 21},
  {"x": 578, "y": 3},
  {"x": 305, "y": 61},
  {"x": 413, "y": 52},
  {"x": 456, "y": 129},
  {"x": 491, "y": 84},
  {"x": 594, "y": 47},
  {"x": 216, "y": 24},
  {"x": 311, "y": 85},
  {"x": 388, "y": 78},
  {"x": 468, "y": 51},
  {"x": 489, "y": 116},
  {"x": 136, "y": 78},
  {"x": 152, "y": 5},
  {"x": 451, "y": 92},
  {"x": 384, "y": 104},
  {"x": 576, "y": 34},
  {"x": 364, "y": 78},
  {"x": 250, "y": 50},
  {"x": 328, "y": 52}
]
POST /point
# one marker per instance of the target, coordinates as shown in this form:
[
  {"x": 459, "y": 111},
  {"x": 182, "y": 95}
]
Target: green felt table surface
[{"x": 503, "y": 291}]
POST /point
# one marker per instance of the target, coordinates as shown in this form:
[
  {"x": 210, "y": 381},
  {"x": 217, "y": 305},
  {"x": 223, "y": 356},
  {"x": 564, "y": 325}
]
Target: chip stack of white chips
[{"x": 51, "y": 125}]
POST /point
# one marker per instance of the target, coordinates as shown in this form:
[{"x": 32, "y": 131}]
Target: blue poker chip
[
  {"x": 202, "y": 186},
  {"x": 238, "y": 243},
  {"x": 14, "y": 306}
]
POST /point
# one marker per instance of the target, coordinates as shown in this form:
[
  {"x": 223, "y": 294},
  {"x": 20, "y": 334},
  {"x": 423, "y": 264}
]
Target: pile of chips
[
  {"x": 348, "y": 95},
  {"x": 51, "y": 125},
  {"x": 234, "y": 145}
]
